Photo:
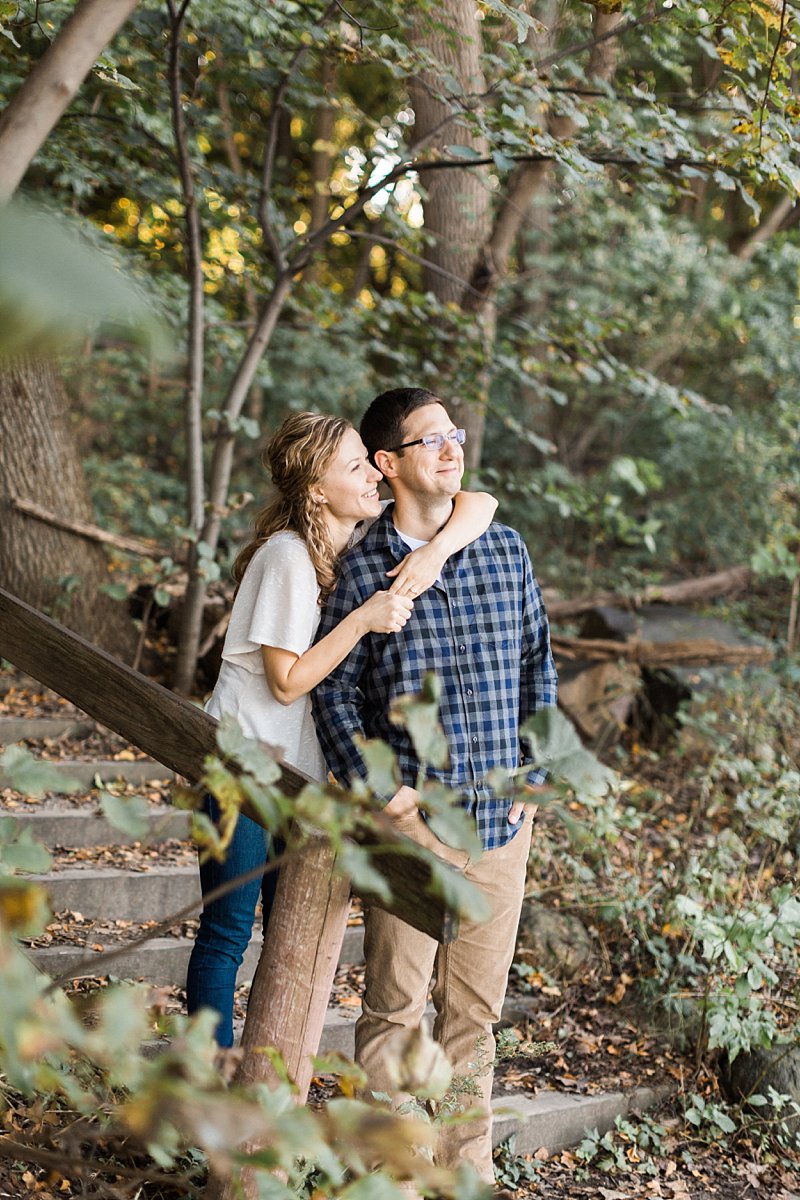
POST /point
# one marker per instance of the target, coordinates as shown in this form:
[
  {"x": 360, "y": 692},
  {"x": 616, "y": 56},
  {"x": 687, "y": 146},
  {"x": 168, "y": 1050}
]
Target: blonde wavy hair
[{"x": 297, "y": 457}]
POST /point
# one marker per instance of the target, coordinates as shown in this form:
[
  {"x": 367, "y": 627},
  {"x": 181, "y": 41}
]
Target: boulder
[
  {"x": 758, "y": 1070},
  {"x": 598, "y": 698},
  {"x": 554, "y": 942}
]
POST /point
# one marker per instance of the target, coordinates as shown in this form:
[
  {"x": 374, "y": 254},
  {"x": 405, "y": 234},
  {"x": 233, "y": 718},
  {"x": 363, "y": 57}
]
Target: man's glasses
[{"x": 435, "y": 441}]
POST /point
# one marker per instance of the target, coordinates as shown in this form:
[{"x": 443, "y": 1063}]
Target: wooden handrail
[{"x": 179, "y": 735}]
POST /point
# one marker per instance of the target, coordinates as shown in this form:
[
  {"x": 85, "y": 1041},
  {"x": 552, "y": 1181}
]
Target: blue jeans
[{"x": 226, "y": 925}]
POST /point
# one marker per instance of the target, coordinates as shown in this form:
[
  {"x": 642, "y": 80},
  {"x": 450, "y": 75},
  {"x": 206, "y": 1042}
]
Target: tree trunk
[
  {"x": 457, "y": 203},
  {"x": 52, "y": 84},
  {"x": 470, "y": 251},
  {"x": 292, "y": 986},
  {"x": 39, "y": 461}
]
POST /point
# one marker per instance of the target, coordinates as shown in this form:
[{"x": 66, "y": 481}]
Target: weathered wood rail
[
  {"x": 294, "y": 977},
  {"x": 176, "y": 733}
]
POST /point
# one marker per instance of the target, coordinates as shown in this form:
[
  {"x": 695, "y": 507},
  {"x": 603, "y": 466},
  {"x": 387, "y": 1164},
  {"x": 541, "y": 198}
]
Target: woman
[{"x": 326, "y": 487}]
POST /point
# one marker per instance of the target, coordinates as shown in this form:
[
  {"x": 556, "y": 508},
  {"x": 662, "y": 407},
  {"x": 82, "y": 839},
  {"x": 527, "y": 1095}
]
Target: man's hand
[
  {"x": 403, "y": 803},
  {"x": 519, "y": 806}
]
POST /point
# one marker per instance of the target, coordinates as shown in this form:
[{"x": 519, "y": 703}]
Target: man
[{"x": 482, "y": 628}]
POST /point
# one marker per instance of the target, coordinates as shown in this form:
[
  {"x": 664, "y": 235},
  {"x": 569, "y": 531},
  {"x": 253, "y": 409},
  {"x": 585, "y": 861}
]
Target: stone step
[
  {"x": 139, "y": 770},
  {"x": 162, "y": 961},
  {"x": 10, "y": 680},
  {"x": 76, "y": 827},
  {"x": 26, "y": 729},
  {"x": 113, "y": 895},
  {"x": 556, "y": 1121},
  {"x": 551, "y": 1120}
]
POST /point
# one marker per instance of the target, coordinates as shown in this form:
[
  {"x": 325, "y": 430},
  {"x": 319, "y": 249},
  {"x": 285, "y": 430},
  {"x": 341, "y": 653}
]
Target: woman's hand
[
  {"x": 418, "y": 570},
  {"x": 385, "y": 612}
]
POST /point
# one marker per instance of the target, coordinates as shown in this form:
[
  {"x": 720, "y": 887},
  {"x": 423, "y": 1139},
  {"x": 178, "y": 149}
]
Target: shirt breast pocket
[{"x": 491, "y": 618}]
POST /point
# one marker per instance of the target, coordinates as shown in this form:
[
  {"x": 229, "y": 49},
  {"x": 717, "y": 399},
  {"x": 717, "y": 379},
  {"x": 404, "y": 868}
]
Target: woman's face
[{"x": 349, "y": 487}]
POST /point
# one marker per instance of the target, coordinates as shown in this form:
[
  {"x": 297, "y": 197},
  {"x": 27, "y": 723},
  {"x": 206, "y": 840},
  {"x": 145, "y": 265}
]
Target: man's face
[{"x": 423, "y": 471}]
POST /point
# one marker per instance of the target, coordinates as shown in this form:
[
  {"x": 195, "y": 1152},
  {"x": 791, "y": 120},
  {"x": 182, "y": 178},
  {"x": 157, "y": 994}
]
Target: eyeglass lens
[{"x": 437, "y": 440}]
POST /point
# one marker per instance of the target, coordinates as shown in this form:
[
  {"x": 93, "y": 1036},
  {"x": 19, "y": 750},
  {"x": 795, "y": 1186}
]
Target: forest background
[{"x": 576, "y": 222}]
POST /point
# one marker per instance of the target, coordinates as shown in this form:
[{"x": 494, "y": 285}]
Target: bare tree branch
[
  {"x": 549, "y": 60},
  {"x": 767, "y": 86},
  {"x": 268, "y": 167},
  {"x": 195, "y": 350}
]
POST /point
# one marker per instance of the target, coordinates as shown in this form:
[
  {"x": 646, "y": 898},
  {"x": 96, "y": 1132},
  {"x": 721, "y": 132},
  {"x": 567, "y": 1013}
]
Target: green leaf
[
  {"x": 419, "y": 714},
  {"x": 503, "y": 161},
  {"x": 117, "y": 591},
  {"x": 246, "y": 751},
  {"x": 457, "y": 892},
  {"x": 33, "y": 776},
  {"x": 55, "y": 286},
  {"x": 382, "y": 773},
  {"x": 555, "y": 745},
  {"x": 355, "y": 862},
  {"x": 465, "y": 152},
  {"x": 519, "y": 18},
  {"x": 25, "y": 854},
  {"x": 130, "y": 814},
  {"x": 449, "y": 820},
  {"x": 724, "y": 1121}
]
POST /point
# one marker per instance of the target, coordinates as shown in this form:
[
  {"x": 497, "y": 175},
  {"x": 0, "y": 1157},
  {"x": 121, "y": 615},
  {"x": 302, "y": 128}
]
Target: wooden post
[{"x": 292, "y": 985}]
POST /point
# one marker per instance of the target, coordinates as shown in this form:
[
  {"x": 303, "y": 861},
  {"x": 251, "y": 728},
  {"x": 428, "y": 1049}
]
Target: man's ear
[{"x": 384, "y": 461}]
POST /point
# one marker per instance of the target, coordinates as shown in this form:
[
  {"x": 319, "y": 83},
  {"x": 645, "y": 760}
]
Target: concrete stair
[{"x": 552, "y": 1120}]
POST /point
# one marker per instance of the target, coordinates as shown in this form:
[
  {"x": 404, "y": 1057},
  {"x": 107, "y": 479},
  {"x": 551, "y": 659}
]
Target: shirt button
[
  {"x": 462, "y": 647},
  {"x": 474, "y": 741},
  {"x": 469, "y": 691}
]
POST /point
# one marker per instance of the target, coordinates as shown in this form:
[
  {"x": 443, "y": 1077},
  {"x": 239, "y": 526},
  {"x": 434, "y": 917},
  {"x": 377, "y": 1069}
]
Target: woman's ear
[
  {"x": 317, "y": 496},
  {"x": 384, "y": 463}
]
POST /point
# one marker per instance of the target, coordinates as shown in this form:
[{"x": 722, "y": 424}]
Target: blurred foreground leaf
[
  {"x": 555, "y": 744},
  {"x": 55, "y": 287},
  {"x": 130, "y": 814},
  {"x": 32, "y": 776}
]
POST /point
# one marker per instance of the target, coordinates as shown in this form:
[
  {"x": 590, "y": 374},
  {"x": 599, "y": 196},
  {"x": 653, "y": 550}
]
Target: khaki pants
[{"x": 471, "y": 977}]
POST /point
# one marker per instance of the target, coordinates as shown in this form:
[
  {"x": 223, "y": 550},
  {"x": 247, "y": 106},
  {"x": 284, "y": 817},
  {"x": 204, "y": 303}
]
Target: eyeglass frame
[{"x": 434, "y": 441}]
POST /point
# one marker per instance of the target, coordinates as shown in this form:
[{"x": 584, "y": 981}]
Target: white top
[{"x": 276, "y": 605}]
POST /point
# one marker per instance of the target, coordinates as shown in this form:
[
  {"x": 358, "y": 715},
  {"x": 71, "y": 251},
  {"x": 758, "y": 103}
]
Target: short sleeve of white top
[{"x": 276, "y": 605}]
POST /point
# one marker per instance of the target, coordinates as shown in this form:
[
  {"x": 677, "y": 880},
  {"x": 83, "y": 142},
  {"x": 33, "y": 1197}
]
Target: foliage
[
  {"x": 637, "y": 353},
  {"x": 71, "y": 287},
  {"x": 702, "y": 906},
  {"x": 630, "y": 1146},
  {"x": 88, "y": 1055},
  {"x": 512, "y": 1169}
]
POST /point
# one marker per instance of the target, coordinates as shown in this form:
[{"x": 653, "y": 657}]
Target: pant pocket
[{"x": 414, "y": 826}]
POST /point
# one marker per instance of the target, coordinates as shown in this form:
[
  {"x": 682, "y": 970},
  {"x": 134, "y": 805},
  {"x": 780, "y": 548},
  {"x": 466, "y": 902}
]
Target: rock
[
  {"x": 553, "y": 942},
  {"x": 652, "y": 711},
  {"x": 606, "y": 621},
  {"x": 758, "y": 1070},
  {"x": 598, "y": 697}
]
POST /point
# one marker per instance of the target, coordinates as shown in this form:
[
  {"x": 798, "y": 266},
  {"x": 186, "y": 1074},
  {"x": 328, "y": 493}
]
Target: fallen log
[
  {"x": 687, "y": 591},
  {"x": 86, "y": 529},
  {"x": 697, "y": 652}
]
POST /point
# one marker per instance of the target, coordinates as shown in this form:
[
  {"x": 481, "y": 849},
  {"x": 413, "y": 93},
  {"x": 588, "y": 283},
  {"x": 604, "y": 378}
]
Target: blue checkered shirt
[{"x": 482, "y": 629}]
